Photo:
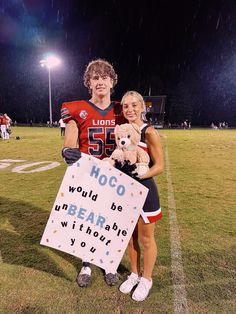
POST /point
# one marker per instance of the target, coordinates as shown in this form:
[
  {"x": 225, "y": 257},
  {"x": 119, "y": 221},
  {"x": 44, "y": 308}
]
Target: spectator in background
[
  {"x": 9, "y": 121},
  {"x": 185, "y": 124},
  {"x": 213, "y": 126},
  {"x": 62, "y": 126},
  {"x": 3, "y": 124}
]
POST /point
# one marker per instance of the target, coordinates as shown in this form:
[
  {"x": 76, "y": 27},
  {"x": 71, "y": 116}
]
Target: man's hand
[{"x": 71, "y": 155}]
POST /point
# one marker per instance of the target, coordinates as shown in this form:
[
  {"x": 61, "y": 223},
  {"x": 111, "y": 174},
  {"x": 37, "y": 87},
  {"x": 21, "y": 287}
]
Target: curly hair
[{"x": 101, "y": 67}]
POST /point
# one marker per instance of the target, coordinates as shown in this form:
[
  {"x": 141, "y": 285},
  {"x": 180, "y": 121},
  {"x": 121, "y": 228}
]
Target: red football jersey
[
  {"x": 3, "y": 120},
  {"x": 96, "y": 126}
]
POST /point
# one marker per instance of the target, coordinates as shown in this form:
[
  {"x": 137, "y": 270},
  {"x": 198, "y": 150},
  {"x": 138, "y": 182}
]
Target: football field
[{"x": 196, "y": 267}]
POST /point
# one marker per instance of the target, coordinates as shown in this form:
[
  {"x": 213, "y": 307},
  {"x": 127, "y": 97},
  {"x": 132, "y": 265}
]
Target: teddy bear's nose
[{"x": 122, "y": 142}]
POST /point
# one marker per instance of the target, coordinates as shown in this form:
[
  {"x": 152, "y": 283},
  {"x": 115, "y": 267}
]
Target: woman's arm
[{"x": 155, "y": 151}]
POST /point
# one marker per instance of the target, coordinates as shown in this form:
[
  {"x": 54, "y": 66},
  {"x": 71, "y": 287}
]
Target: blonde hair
[{"x": 139, "y": 98}]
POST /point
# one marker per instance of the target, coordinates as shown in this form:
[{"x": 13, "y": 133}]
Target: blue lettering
[
  {"x": 102, "y": 179},
  {"x": 90, "y": 217},
  {"x": 100, "y": 221},
  {"x": 81, "y": 213},
  {"x": 94, "y": 172},
  {"x": 120, "y": 190},
  {"x": 112, "y": 179},
  {"x": 72, "y": 210}
]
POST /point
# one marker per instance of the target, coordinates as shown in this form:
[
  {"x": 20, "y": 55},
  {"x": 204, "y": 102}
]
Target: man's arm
[
  {"x": 71, "y": 135},
  {"x": 71, "y": 152}
]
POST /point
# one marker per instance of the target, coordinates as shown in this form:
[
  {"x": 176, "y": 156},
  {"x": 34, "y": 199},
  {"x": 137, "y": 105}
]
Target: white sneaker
[
  {"x": 142, "y": 290},
  {"x": 129, "y": 283},
  {"x": 85, "y": 271}
]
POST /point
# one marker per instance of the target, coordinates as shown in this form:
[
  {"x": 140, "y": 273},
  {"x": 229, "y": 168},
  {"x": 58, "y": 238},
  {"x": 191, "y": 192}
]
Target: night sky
[{"x": 185, "y": 50}]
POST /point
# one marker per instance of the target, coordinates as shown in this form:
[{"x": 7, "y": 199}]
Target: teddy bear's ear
[
  {"x": 116, "y": 128},
  {"x": 136, "y": 127}
]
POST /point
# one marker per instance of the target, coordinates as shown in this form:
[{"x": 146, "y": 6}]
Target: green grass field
[{"x": 37, "y": 279}]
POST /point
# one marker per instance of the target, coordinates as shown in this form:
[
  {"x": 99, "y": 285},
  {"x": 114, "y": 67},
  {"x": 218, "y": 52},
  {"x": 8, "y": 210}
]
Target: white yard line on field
[{"x": 180, "y": 296}]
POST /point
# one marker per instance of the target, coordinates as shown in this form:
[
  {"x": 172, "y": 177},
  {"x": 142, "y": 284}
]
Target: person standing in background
[
  {"x": 4, "y": 122},
  {"x": 62, "y": 126}
]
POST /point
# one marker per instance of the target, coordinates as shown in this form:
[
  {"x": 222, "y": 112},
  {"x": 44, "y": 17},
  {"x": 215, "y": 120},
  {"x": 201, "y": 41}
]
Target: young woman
[{"x": 133, "y": 107}]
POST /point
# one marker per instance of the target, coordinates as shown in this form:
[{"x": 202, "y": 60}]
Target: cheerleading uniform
[{"x": 151, "y": 211}]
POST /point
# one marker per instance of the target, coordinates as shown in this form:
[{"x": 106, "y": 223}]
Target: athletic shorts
[{"x": 151, "y": 210}]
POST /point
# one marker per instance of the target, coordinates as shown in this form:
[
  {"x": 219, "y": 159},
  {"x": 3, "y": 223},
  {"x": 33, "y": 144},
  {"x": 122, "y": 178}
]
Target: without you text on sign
[{"x": 95, "y": 212}]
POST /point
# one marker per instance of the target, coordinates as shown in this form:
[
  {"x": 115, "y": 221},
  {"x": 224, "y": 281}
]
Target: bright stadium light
[{"x": 50, "y": 62}]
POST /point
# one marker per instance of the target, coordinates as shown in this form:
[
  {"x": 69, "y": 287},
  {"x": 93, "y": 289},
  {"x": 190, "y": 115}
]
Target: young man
[{"x": 90, "y": 129}]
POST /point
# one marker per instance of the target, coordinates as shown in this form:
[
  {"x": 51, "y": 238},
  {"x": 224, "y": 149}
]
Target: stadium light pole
[{"x": 50, "y": 62}]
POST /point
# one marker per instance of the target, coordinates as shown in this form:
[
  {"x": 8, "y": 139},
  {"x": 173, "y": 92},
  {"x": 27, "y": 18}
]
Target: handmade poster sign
[{"x": 95, "y": 212}]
